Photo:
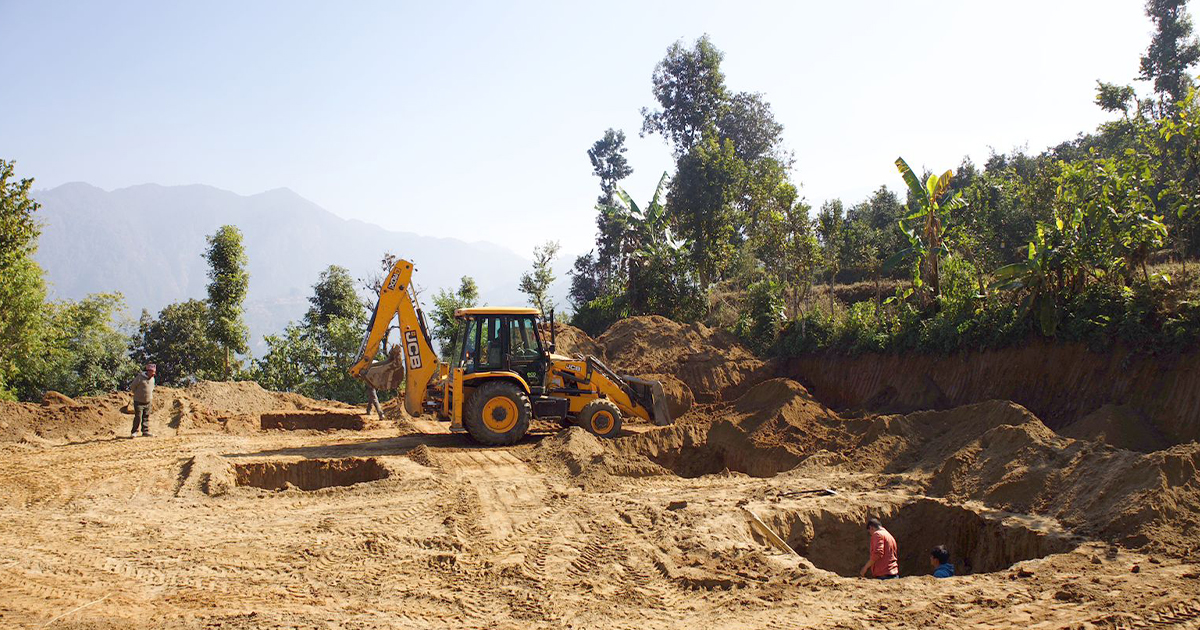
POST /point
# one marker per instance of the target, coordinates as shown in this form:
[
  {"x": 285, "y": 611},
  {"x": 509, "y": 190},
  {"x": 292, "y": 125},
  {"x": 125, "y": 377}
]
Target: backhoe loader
[{"x": 502, "y": 372}]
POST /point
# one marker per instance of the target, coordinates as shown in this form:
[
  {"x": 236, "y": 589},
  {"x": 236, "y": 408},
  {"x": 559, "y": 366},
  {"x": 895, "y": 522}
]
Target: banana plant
[
  {"x": 926, "y": 227},
  {"x": 1035, "y": 276}
]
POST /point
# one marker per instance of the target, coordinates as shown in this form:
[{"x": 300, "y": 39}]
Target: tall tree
[
  {"x": 830, "y": 229},
  {"x": 1173, "y": 49},
  {"x": 333, "y": 296},
  {"x": 690, "y": 88},
  {"x": 608, "y": 163},
  {"x": 536, "y": 283},
  {"x": 445, "y": 303},
  {"x": 703, "y": 204},
  {"x": 22, "y": 290},
  {"x": 228, "y": 282}
]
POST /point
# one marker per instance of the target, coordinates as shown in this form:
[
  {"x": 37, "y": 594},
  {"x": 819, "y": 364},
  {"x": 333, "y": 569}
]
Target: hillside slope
[{"x": 146, "y": 242}]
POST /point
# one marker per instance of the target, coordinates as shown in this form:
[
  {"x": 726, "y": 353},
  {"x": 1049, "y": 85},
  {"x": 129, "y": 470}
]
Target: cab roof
[{"x": 496, "y": 310}]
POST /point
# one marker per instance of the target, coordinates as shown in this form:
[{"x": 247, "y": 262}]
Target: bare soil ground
[{"x": 225, "y": 523}]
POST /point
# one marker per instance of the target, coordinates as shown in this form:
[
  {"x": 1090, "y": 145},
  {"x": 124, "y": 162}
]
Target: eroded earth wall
[{"x": 1059, "y": 383}]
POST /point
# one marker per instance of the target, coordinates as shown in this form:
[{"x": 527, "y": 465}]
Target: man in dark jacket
[{"x": 143, "y": 396}]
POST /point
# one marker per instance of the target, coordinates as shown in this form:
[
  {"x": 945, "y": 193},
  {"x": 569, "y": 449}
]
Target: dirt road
[{"x": 432, "y": 531}]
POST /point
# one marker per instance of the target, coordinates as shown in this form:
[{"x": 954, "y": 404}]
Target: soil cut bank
[{"x": 1060, "y": 383}]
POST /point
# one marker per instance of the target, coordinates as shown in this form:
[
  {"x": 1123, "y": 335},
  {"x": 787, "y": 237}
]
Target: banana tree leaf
[
  {"x": 898, "y": 258},
  {"x": 1047, "y": 314},
  {"x": 957, "y": 203},
  {"x": 914, "y": 184},
  {"x": 943, "y": 184},
  {"x": 1012, "y": 271}
]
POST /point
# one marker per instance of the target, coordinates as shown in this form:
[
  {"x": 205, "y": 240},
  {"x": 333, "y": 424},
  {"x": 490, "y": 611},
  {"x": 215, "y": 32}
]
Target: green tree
[
  {"x": 22, "y": 291},
  {"x": 608, "y": 163},
  {"x": 703, "y": 204},
  {"x": 334, "y": 296},
  {"x": 18, "y": 229},
  {"x": 1173, "y": 49},
  {"x": 536, "y": 283},
  {"x": 831, "y": 230},
  {"x": 445, "y": 303},
  {"x": 690, "y": 88},
  {"x": 228, "y": 282},
  {"x": 82, "y": 350},
  {"x": 177, "y": 342},
  {"x": 292, "y": 362}
]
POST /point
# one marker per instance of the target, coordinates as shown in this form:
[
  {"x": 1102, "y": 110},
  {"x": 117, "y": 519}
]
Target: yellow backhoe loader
[{"x": 502, "y": 373}]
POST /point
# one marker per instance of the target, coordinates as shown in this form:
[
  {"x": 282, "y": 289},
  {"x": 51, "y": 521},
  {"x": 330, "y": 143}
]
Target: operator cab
[{"x": 502, "y": 340}]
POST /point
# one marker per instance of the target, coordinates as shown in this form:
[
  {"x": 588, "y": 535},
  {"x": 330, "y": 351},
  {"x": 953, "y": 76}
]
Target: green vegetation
[
  {"x": 1073, "y": 244},
  {"x": 445, "y": 303},
  {"x": 536, "y": 283},
  {"x": 310, "y": 357},
  {"x": 228, "y": 282}
]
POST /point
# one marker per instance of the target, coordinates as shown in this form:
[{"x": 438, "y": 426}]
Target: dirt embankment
[
  {"x": 997, "y": 453},
  {"x": 1157, "y": 398},
  {"x": 206, "y": 406}
]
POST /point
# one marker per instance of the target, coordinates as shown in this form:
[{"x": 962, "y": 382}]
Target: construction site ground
[{"x": 289, "y": 513}]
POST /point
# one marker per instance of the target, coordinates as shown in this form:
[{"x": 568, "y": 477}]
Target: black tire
[
  {"x": 601, "y": 418},
  {"x": 500, "y": 427}
]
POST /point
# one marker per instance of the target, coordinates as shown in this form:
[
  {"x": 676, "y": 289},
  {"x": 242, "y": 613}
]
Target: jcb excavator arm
[{"x": 419, "y": 363}]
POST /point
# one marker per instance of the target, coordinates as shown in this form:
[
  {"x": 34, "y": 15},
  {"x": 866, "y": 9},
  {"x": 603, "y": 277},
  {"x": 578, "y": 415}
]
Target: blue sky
[{"x": 472, "y": 119}]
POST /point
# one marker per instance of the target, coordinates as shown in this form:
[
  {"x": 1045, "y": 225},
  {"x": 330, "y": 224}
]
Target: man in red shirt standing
[{"x": 882, "y": 564}]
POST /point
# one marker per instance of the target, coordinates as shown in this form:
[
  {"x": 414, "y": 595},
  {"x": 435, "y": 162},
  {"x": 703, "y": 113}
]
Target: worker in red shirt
[{"x": 882, "y": 564}]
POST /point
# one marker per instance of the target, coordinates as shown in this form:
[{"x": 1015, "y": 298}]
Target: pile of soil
[
  {"x": 1121, "y": 426},
  {"x": 711, "y": 362},
  {"x": 995, "y": 452},
  {"x": 572, "y": 342}
]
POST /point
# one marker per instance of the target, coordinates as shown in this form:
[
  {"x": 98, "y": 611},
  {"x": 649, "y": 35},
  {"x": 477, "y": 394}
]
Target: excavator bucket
[
  {"x": 386, "y": 375},
  {"x": 652, "y": 390}
]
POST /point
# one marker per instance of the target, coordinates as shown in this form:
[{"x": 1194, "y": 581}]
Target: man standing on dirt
[
  {"x": 373, "y": 402},
  {"x": 143, "y": 395},
  {"x": 882, "y": 563}
]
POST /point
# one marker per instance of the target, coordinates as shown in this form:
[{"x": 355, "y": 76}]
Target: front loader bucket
[
  {"x": 385, "y": 375},
  {"x": 659, "y": 412}
]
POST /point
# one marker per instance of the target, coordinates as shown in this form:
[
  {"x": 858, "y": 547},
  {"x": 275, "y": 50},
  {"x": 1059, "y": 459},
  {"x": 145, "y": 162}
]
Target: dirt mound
[
  {"x": 713, "y": 364},
  {"x": 572, "y": 341},
  {"x": 996, "y": 453},
  {"x": 572, "y": 448},
  {"x": 55, "y": 398},
  {"x": 1121, "y": 426}
]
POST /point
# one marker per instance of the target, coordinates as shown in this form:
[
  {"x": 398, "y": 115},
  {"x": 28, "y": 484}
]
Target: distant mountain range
[{"x": 146, "y": 242}]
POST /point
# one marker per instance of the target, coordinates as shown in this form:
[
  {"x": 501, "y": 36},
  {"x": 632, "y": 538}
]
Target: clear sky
[{"x": 472, "y": 119}]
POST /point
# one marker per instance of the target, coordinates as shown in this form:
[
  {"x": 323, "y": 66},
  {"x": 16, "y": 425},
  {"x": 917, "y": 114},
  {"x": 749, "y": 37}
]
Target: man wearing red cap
[{"x": 143, "y": 395}]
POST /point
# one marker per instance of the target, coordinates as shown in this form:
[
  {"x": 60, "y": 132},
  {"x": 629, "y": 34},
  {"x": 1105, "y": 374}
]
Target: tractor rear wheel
[
  {"x": 602, "y": 418},
  {"x": 497, "y": 413}
]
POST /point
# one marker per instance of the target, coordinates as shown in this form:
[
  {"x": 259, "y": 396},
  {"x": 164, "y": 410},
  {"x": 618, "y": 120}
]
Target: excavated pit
[
  {"x": 979, "y": 542},
  {"x": 309, "y": 474},
  {"x": 313, "y": 420}
]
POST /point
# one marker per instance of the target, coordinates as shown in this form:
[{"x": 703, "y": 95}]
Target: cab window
[
  {"x": 490, "y": 348},
  {"x": 523, "y": 339},
  {"x": 467, "y": 340}
]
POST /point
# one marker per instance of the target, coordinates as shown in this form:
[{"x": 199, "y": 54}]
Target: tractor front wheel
[
  {"x": 601, "y": 418},
  {"x": 497, "y": 414}
]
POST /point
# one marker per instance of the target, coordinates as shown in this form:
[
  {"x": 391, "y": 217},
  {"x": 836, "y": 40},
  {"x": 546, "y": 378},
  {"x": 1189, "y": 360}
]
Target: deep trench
[
  {"x": 318, "y": 420},
  {"x": 978, "y": 542},
  {"x": 309, "y": 474}
]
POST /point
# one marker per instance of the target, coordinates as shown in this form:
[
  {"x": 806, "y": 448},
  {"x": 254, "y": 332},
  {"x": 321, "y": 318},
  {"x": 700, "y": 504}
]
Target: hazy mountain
[{"x": 146, "y": 242}]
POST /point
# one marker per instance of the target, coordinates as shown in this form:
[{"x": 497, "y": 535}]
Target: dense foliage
[{"x": 1071, "y": 243}]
